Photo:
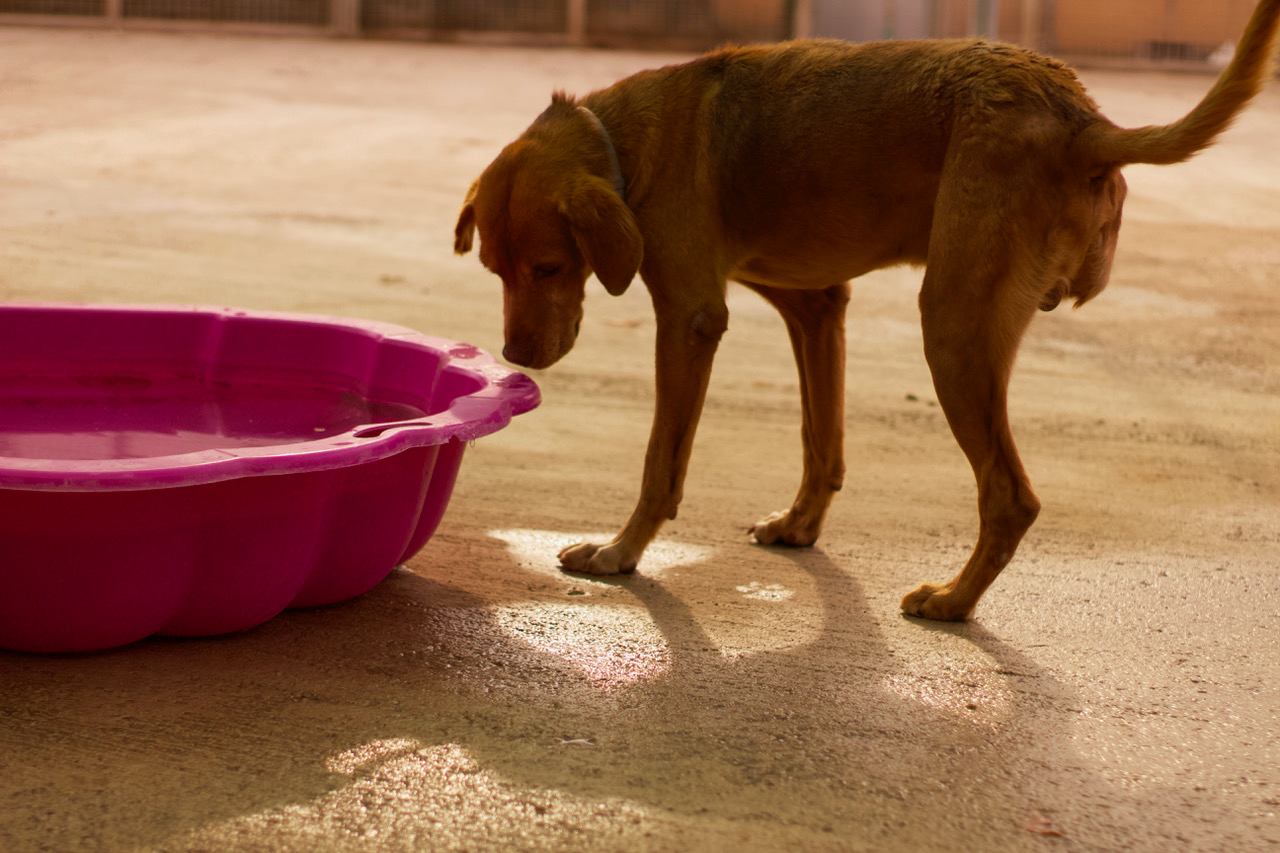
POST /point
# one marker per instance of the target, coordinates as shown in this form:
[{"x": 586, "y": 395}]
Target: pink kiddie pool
[{"x": 194, "y": 472}]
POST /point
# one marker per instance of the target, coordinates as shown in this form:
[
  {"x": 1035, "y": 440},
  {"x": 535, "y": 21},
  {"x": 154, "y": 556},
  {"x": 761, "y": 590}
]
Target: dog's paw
[
  {"x": 940, "y": 603},
  {"x": 588, "y": 559},
  {"x": 784, "y": 527}
]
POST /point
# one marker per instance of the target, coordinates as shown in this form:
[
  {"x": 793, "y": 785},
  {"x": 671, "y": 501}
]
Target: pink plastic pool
[{"x": 195, "y": 472}]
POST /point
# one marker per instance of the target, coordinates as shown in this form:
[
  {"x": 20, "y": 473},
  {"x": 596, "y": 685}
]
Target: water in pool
[{"x": 124, "y": 417}]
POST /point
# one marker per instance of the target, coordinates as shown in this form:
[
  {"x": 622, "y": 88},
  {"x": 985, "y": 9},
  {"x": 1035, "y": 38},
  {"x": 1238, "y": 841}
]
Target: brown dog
[{"x": 793, "y": 168}]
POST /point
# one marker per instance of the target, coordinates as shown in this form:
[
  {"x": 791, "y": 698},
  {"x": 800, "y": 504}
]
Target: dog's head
[{"x": 550, "y": 213}]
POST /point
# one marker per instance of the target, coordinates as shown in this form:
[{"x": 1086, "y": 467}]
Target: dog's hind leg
[
  {"x": 970, "y": 353},
  {"x": 815, "y": 322},
  {"x": 978, "y": 298}
]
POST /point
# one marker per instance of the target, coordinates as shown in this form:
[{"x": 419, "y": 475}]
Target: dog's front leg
[{"x": 686, "y": 345}]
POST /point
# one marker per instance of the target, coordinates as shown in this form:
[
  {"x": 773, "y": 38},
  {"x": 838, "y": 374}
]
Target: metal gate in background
[
  {"x": 1133, "y": 31},
  {"x": 1129, "y": 31},
  {"x": 312, "y": 12},
  {"x": 688, "y": 24},
  {"x": 462, "y": 16}
]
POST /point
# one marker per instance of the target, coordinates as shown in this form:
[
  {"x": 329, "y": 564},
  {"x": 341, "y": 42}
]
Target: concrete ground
[{"x": 1117, "y": 690}]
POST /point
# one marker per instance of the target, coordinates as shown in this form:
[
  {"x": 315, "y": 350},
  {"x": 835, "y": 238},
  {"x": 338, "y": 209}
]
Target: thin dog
[{"x": 793, "y": 168}]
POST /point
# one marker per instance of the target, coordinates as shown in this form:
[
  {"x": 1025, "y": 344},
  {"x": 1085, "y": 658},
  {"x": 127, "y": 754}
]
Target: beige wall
[
  {"x": 956, "y": 18},
  {"x": 1111, "y": 26},
  {"x": 1121, "y": 27},
  {"x": 749, "y": 20}
]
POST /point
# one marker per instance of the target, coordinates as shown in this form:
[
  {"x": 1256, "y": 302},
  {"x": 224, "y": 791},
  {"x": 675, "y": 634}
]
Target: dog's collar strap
[{"x": 619, "y": 182}]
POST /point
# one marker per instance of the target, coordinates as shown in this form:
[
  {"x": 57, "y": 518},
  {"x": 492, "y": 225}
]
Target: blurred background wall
[{"x": 1140, "y": 31}]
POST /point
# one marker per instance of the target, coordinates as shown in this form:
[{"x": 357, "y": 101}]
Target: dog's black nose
[
  {"x": 521, "y": 355},
  {"x": 515, "y": 355}
]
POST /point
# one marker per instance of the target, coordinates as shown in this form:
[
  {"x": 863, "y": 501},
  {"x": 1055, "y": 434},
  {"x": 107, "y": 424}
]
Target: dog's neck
[{"x": 615, "y": 168}]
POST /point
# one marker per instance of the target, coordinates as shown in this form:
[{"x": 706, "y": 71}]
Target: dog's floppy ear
[
  {"x": 464, "y": 232},
  {"x": 606, "y": 232}
]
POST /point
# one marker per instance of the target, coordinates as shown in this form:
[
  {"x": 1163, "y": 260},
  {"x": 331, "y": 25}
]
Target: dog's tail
[{"x": 1105, "y": 144}]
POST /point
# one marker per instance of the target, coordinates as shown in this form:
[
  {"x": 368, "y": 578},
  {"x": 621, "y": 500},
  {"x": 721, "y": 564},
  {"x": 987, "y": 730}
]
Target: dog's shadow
[{"x": 626, "y": 694}]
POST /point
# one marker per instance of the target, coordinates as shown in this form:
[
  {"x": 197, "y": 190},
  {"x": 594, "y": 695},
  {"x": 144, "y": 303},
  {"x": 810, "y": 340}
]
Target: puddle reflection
[
  {"x": 537, "y": 550},
  {"x": 409, "y": 795},
  {"x": 611, "y": 645}
]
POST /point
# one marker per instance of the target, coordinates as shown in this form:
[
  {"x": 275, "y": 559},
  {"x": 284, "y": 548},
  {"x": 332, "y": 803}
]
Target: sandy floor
[{"x": 1118, "y": 689}]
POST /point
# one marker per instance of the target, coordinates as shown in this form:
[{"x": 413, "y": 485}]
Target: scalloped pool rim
[{"x": 504, "y": 394}]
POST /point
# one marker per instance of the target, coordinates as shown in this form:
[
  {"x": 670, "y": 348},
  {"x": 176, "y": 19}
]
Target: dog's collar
[{"x": 619, "y": 182}]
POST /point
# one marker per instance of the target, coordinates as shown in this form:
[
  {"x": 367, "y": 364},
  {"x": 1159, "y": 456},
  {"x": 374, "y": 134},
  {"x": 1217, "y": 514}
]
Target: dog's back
[{"x": 832, "y": 153}]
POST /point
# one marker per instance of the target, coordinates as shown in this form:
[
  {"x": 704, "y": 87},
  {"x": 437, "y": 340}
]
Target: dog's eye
[{"x": 545, "y": 270}]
